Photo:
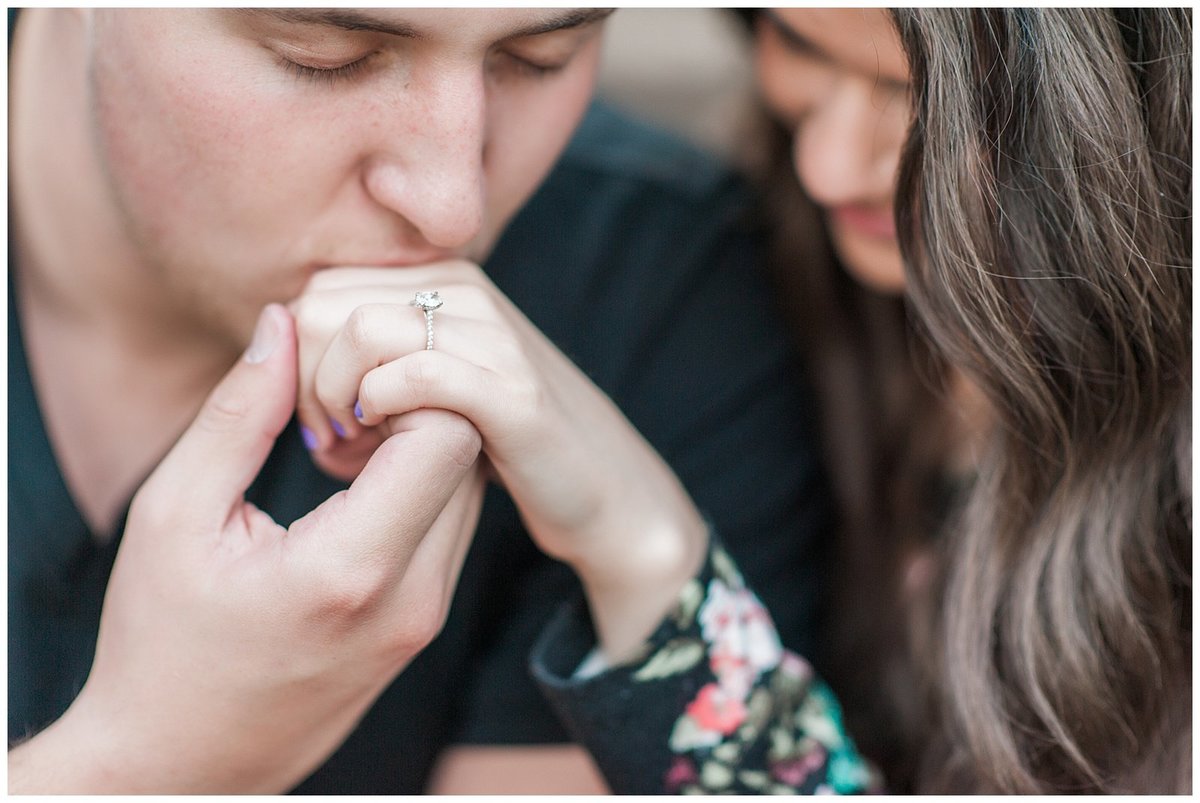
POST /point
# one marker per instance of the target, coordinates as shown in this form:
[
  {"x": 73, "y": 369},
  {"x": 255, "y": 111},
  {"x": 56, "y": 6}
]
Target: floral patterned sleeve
[{"x": 712, "y": 703}]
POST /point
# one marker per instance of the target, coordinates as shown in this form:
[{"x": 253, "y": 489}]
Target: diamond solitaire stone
[{"x": 428, "y": 300}]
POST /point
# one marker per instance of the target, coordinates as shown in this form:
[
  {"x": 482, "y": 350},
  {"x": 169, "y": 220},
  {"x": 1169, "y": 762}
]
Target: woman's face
[{"x": 838, "y": 79}]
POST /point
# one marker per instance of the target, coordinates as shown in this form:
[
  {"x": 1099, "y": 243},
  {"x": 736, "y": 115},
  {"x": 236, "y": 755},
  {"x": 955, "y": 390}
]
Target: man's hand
[{"x": 235, "y": 655}]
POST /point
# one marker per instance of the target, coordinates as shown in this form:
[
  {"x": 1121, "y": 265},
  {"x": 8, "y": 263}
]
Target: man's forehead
[{"x": 434, "y": 24}]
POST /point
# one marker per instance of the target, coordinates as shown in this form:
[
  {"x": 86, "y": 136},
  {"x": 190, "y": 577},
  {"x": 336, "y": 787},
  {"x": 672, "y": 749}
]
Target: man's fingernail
[
  {"x": 338, "y": 428},
  {"x": 358, "y": 410},
  {"x": 265, "y": 338},
  {"x": 310, "y": 437}
]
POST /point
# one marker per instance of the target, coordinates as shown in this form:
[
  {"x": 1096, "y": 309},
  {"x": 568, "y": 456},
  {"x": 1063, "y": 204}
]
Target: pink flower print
[
  {"x": 794, "y": 666},
  {"x": 681, "y": 773},
  {"x": 742, "y": 639},
  {"x": 734, "y": 673},
  {"x": 715, "y": 710},
  {"x": 794, "y": 771}
]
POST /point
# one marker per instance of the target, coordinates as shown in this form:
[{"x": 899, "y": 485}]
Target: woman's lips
[{"x": 873, "y": 222}]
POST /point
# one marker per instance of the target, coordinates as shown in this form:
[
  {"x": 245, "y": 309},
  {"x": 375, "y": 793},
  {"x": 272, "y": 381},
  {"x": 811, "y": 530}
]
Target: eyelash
[
  {"x": 331, "y": 75},
  {"x": 534, "y": 70},
  {"x": 326, "y": 75}
]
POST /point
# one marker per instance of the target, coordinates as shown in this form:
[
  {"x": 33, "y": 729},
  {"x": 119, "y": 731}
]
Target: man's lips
[
  {"x": 871, "y": 221},
  {"x": 385, "y": 262}
]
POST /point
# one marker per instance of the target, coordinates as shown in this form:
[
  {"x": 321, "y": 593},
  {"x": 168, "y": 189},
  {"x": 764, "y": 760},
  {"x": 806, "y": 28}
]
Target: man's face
[{"x": 247, "y": 149}]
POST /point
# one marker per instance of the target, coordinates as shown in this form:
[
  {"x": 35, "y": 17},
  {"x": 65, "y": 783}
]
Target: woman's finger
[
  {"x": 493, "y": 402},
  {"x": 376, "y": 334}
]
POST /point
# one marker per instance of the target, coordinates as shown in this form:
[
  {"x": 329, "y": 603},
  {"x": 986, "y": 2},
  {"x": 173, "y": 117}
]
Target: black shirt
[{"x": 634, "y": 258}]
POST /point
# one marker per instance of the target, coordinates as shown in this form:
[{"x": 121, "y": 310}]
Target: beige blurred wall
[{"x": 685, "y": 69}]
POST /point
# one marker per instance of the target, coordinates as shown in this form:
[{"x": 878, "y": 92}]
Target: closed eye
[
  {"x": 533, "y": 68},
  {"x": 326, "y": 75}
]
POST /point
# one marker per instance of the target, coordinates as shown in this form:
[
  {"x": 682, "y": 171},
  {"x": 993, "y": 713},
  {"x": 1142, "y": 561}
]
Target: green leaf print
[
  {"x": 689, "y": 602},
  {"x": 678, "y": 656}
]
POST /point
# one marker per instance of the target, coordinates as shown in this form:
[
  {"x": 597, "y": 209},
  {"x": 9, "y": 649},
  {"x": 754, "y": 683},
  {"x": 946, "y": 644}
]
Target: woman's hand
[
  {"x": 234, "y": 655},
  {"x": 591, "y": 491}
]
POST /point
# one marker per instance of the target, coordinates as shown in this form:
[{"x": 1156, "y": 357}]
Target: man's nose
[
  {"x": 841, "y": 153},
  {"x": 429, "y": 168}
]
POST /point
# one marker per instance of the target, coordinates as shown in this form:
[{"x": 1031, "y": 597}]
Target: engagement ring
[{"x": 427, "y": 301}]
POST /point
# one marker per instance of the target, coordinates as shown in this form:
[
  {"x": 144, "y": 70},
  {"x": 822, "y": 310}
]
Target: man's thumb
[{"x": 223, "y": 450}]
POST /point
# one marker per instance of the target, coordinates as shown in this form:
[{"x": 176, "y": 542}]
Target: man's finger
[
  {"x": 438, "y": 559},
  {"x": 395, "y": 500},
  {"x": 220, "y": 454}
]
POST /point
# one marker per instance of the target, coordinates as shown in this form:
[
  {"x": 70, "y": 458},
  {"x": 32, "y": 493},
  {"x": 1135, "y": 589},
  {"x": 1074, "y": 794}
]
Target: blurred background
[{"x": 686, "y": 69}]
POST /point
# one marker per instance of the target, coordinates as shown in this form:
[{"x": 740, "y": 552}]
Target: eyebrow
[
  {"x": 575, "y": 18},
  {"x": 802, "y": 44},
  {"x": 794, "y": 38},
  {"x": 353, "y": 20}
]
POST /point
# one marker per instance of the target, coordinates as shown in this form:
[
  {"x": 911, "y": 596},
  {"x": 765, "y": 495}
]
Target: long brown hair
[{"x": 1044, "y": 211}]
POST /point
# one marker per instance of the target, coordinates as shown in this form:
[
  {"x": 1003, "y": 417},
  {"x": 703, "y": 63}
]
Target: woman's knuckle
[
  {"x": 416, "y": 373},
  {"x": 422, "y": 622},
  {"x": 348, "y": 593},
  {"x": 369, "y": 392},
  {"x": 325, "y": 395},
  {"x": 306, "y": 311},
  {"x": 527, "y": 395},
  {"x": 484, "y": 302},
  {"x": 360, "y": 326}
]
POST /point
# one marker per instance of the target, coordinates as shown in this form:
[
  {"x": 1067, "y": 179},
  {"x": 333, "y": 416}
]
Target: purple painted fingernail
[
  {"x": 338, "y": 428},
  {"x": 310, "y": 437},
  {"x": 358, "y": 409}
]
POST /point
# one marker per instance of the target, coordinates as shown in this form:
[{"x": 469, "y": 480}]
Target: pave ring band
[{"x": 427, "y": 301}]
